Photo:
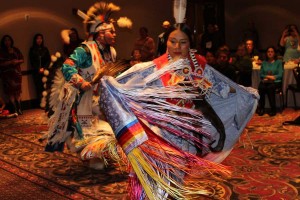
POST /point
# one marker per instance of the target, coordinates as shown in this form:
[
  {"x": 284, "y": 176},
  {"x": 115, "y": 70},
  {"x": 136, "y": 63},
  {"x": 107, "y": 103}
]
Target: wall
[
  {"x": 22, "y": 19},
  {"x": 50, "y": 17},
  {"x": 270, "y": 18}
]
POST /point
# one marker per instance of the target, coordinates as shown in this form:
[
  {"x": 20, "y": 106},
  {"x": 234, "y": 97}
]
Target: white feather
[
  {"x": 56, "y": 87},
  {"x": 179, "y": 10},
  {"x": 124, "y": 22},
  {"x": 82, "y": 14}
]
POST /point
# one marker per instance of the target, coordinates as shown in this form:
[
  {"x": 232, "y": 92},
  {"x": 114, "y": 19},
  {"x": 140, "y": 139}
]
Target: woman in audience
[
  {"x": 271, "y": 72},
  {"x": 10, "y": 65},
  {"x": 290, "y": 41},
  {"x": 39, "y": 58},
  {"x": 135, "y": 57}
]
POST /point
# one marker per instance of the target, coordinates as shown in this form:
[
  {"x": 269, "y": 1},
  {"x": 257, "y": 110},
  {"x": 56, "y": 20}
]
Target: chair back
[{"x": 296, "y": 72}]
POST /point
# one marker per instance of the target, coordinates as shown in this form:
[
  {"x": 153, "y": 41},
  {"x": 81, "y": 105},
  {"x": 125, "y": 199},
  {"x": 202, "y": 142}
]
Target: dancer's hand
[{"x": 85, "y": 86}]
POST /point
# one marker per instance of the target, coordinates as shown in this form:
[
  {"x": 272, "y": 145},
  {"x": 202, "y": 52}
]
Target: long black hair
[
  {"x": 202, "y": 104},
  {"x": 182, "y": 27},
  {"x": 3, "y": 47},
  {"x": 34, "y": 44}
]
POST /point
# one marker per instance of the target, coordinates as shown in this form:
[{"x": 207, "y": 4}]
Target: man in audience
[
  {"x": 251, "y": 50},
  {"x": 162, "y": 39},
  {"x": 223, "y": 65},
  {"x": 243, "y": 65},
  {"x": 145, "y": 44},
  {"x": 211, "y": 39}
]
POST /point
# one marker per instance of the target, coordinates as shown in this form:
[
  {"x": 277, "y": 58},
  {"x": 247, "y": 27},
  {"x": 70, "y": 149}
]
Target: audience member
[
  {"x": 211, "y": 39},
  {"x": 252, "y": 51},
  {"x": 223, "y": 65},
  {"x": 290, "y": 41},
  {"x": 271, "y": 78},
  {"x": 10, "y": 64},
  {"x": 225, "y": 47},
  {"x": 135, "y": 57},
  {"x": 243, "y": 65},
  {"x": 145, "y": 44},
  {"x": 71, "y": 41},
  {"x": 162, "y": 39},
  {"x": 39, "y": 58},
  {"x": 210, "y": 58}
]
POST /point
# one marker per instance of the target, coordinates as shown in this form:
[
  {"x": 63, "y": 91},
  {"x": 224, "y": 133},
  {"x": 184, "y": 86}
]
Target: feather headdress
[
  {"x": 98, "y": 17},
  {"x": 179, "y": 10}
]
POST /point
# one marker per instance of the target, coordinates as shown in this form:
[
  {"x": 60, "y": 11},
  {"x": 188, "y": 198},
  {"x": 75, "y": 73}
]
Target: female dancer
[{"x": 160, "y": 122}]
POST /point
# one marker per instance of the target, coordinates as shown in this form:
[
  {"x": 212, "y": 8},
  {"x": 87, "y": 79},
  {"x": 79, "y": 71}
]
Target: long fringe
[
  {"x": 150, "y": 104},
  {"x": 161, "y": 166}
]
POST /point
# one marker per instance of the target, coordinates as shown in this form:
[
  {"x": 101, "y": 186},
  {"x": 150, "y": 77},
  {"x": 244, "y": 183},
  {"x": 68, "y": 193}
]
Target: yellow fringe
[{"x": 143, "y": 169}]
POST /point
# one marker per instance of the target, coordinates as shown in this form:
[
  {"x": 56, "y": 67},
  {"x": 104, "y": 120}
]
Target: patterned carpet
[{"x": 265, "y": 164}]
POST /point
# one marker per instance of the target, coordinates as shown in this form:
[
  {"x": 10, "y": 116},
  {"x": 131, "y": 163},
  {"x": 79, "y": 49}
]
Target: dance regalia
[
  {"x": 77, "y": 117},
  {"x": 159, "y": 137}
]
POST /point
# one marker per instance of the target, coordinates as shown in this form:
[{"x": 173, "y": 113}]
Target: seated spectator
[
  {"x": 210, "y": 58},
  {"x": 225, "y": 47},
  {"x": 252, "y": 51},
  {"x": 223, "y": 65},
  {"x": 271, "y": 78},
  {"x": 243, "y": 65},
  {"x": 135, "y": 57}
]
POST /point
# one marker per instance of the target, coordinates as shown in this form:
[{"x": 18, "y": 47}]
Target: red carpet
[{"x": 270, "y": 170}]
